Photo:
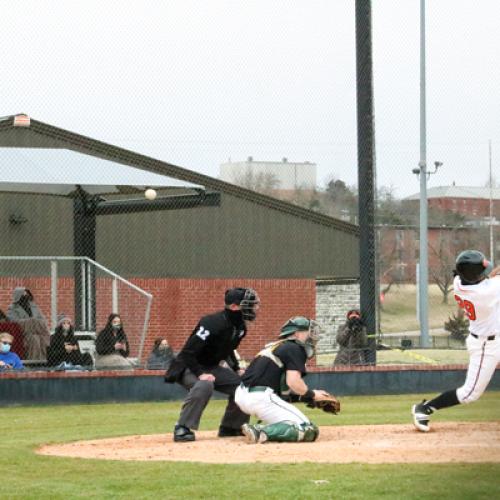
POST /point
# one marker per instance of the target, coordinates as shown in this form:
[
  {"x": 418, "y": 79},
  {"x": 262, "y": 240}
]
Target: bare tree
[
  {"x": 441, "y": 272},
  {"x": 262, "y": 182},
  {"x": 307, "y": 198},
  {"x": 443, "y": 253},
  {"x": 390, "y": 267}
]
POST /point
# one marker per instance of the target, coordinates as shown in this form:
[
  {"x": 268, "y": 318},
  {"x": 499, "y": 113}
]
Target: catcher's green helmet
[
  {"x": 295, "y": 324},
  {"x": 301, "y": 323},
  {"x": 472, "y": 266}
]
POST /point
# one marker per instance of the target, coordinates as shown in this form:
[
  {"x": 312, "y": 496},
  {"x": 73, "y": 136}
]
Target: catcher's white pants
[
  {"x": 484, "y": 356},
  {"x": 268, "y": 406}
]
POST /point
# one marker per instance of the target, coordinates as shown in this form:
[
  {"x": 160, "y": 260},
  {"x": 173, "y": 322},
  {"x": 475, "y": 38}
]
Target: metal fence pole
[
  {"x": 145, "y": 327},
  {"x": 53, "y": 294},
  {"x": 82, "y": 295},
  {"x": 366, "y": 173},
  {"x": 89, "y": 298},
  {"x": 114, "y": 296}
]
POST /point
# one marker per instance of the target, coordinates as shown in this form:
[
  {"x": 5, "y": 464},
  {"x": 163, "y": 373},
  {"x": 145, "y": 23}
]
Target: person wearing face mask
[
  {"x": 16, "y": 331},
  {"x": 198, "y": 366},
  {"x": 24, "y": 311},
  {"x": 161, "y": 356},
  {"x": 8, "y": 360},
  {"x": 64, "y": 347},
  {"x": 352, "y": 340},
  {"x": 23, "y": 306},
  {"x": 112, "y": 345}
]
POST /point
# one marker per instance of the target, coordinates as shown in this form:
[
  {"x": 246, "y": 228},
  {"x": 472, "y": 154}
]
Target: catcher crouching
[{"x": 276, "y": 374}]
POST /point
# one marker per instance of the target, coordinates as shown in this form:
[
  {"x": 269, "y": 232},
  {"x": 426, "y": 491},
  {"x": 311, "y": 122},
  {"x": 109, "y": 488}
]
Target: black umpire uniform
[{"x": 213, "y": 340}]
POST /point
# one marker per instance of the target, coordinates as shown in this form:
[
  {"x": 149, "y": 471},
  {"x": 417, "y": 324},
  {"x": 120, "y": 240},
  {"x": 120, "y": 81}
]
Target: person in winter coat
[
  {"x": 352, "y": 340},
  {"x": 25, "y": 312},
  {"x": 161, "y": 356},
  {"x": 23, "y": 306},
  {"x": 112, "y": 345},
  {"x": 64, "y": 345}
]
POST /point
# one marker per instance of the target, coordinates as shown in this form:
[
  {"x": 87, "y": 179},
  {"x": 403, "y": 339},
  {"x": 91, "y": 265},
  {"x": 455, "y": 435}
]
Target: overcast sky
[{"x": 197, "y": 82}]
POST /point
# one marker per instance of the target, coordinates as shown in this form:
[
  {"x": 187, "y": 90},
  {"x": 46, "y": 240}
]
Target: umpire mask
[
  {"x": 249, "y": 304},
  {"x": 312, "y": 339},
  {"x": 246, "y": 298}
]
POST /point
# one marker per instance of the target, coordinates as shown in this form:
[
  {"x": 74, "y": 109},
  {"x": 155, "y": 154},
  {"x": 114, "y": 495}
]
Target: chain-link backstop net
[{"x": 318, "y": 220}]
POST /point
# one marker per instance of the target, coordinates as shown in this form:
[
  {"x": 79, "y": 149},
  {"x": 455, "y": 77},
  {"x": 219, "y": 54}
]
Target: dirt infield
[{"x": 447, "y": 442}]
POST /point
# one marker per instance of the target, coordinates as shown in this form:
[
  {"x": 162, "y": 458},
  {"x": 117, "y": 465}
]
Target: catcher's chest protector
[{"x": 268, "y": 352}]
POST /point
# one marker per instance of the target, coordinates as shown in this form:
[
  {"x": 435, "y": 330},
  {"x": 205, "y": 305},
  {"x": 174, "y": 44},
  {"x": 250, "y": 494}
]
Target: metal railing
[{"x": 85, "y": 292}]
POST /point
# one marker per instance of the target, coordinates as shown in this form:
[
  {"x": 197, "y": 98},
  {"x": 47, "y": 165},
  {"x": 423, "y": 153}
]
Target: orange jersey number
[{"x": 468, "y": 306}]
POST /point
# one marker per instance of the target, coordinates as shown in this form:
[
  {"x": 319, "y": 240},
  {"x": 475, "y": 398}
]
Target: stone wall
[{"x": 333, "y": 299}]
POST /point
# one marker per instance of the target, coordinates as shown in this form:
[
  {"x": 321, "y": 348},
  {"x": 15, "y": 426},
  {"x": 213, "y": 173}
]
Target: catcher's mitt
[{"x": 329, "y": 403}]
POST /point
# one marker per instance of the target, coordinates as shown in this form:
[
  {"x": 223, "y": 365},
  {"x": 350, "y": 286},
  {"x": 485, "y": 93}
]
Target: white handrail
[
  {"x": 96, "y": 264},
  {"x": 86, "y": 275}
]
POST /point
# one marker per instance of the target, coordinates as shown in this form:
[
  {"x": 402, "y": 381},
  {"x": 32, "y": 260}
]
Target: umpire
[{"x": 198, "y": 365}]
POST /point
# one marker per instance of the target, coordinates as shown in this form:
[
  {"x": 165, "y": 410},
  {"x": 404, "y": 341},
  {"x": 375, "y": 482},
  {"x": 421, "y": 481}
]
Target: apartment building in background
[{"x": 282, "y": 178}]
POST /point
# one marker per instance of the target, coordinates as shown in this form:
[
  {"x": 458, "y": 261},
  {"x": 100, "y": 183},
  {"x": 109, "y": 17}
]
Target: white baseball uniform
[
  {"x": 262, "y": 381},
  {"x": 481, "y": 303}
]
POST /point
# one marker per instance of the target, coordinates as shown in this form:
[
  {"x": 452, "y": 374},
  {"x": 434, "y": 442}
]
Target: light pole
[
  {"x": 492, "y": 246},
  {"x": 423, "y": 268}
]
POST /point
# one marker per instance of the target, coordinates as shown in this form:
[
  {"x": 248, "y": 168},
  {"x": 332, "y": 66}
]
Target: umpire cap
[{"x": 472, "y": 267}]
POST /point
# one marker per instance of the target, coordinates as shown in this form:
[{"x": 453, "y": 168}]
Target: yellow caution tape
[{"x": 413, "y": 355}]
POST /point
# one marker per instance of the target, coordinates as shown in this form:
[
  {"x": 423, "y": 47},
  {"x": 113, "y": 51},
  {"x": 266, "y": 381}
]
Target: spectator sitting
[
  {"x": 161, "y": 356},
  {"x": 8, "y": 360},
  {"x": 351, "y": 338},
  {"x": 26, "y": 313},
  {"x": 23, "y": 306},
  {"x": 64, "y": 345},
  {"x": 16, "y": 331},
  {"x": 112, "y": 345}
]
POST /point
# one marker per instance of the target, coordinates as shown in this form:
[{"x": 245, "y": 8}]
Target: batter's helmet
[{"x": 472, "y": 267}]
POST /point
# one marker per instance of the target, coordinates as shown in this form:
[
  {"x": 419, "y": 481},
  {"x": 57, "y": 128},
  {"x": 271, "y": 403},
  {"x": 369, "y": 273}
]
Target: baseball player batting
[{"x": 477, "y": 291}]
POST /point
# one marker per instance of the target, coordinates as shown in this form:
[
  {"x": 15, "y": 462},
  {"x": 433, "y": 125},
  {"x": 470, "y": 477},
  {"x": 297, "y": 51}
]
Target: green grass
[
  {"x": 410, "y": 357},
  {"x": 399, "y": 309},
  {"x": 26, "y": 475}
]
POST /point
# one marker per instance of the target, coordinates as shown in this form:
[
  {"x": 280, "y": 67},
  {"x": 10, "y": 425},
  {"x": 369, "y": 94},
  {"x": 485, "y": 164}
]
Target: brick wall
[{"x": 178, "y": 304}]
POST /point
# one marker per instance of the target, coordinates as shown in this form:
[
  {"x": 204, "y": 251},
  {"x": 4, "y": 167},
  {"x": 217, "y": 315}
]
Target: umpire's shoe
[
  {"x": 225, "y": 432},
  {"x": 182, "y": 434},
  {"x": 421, "y": 413}
]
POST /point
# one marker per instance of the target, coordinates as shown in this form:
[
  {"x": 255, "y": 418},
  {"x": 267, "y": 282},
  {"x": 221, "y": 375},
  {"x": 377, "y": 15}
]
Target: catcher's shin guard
[
  {"x": 311, "y": 432},
  {"x": 290, "y": 432}
]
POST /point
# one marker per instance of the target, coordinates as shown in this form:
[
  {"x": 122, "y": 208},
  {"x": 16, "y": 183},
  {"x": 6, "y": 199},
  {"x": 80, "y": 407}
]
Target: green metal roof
[{"x": 21, "y": 131}]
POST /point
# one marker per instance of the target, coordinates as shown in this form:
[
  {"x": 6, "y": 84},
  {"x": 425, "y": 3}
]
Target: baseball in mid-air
[{"x": 150, "y": 194}]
